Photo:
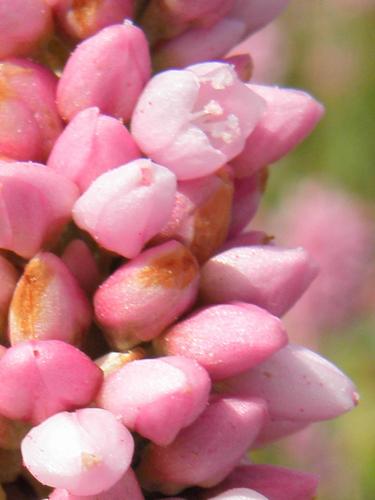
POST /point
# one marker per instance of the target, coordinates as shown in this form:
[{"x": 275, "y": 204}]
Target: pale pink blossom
[
  {"x": 157, "y": 397},
  {"x": 90, "y": 145},
  {"x": 195, "y": 120},
  {"x": 41, "y": 378},
  {"x": 147, "y": 294},
  {"x": 70, "y": 450},
  {"x": 48, "y": 303},
  {"x": 118, "y": 209},
  {"x": 226, "y": 339},
  {"x": 107, "y": 70},
  {"x": 227, "y": 428}
]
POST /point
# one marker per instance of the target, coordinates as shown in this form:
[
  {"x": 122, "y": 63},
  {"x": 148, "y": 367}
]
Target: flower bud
[
  {"x": 239, "y": 494},
  {"x": 270, "y": 277},
  {"x": 207, "y": 113},
  {"x": 90, "y": 145},
  {"x": 274, "y": 430},
  {"x": 157, "y": 397},
  {"x": 48, "y": 304},
  {"x": 32, "y": 196},
  {"x": 147, "y": 294},
  {"x": 257, "y": 13},
  {"x": 227, "y": 428},
  {"x": 8, "y": 279},
  {"x": 290, "y": 117},
  {"x": 271, "y": 481},
  {"x": 225, "y": 339},
  {"x": 70, "y": 450},
  {"x": 41, "y": 378},
  {"x": 86, "y": 17},
  {"x": 23, "y": 24},
  {"x": 118, "y": 209},
  {"x": 297, "y": 385},
  {"x": 29, "y": 122},
  {"x": 201, "y": 214},
  {"x": 80, "y": 261},
  {"x": 108, "y": 70}
]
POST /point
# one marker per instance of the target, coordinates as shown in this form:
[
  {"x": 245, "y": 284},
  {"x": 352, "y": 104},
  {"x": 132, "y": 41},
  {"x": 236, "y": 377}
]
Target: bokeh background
[{"x": 328, "y": 49}]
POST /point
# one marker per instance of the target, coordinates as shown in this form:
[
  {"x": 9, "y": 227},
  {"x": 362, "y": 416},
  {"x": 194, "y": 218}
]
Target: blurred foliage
[{"x": 332, "y": 56}]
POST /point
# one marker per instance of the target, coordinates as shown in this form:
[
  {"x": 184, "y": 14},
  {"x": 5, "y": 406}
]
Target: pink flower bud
[
  {"x": 70, "y": 450},
  {"x": 18, "y": 37},
  {"x": 107, "y": 70},
  {"x": 246, "y": 199},
  {"x": 157, "y": 397},
  {"x": 239, "y": 494},
  {"x": 270, "y": 277},
  {"x": 274, "y": 430},
  {"x": 32, "y": 196},
  {"x": 126, "y": 488},
  {"x": 290, "y": 117},
  {"x": 225, "y": 339},
  {"x": 204, "y": 453},
  {"x": 80, "y": 261},
  {"x": 201, "y": 214},
  {"x": 275, "y": 483},
  {"x": 8, "y": 279},
  {"x": 48, "y": 304},
  {"x": 29, "y": 123},
  {"x": 160, "y": 284},
  {"x": 83, "y": 18},
  {"x": 298, "y": 385},
  {"x": 118, "y": 209},
  {"x": 90, "y": 145},
  {"x": 41, "y": 378},
  {"x": 207, "y": 114}
]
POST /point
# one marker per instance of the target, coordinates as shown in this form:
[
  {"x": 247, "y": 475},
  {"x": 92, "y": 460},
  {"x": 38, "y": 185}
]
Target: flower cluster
[{"x": 142, "y": 350}]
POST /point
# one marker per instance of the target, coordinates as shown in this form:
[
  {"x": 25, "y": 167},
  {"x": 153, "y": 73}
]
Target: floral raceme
[{"x": 143, "y": 351}]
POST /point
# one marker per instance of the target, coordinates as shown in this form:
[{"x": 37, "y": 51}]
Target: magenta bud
[
  {"x": 126, "y": 488},
  {"x": 275, "y": 483},
  {"x": 48, "y": 303},
  {"x": 18, "y": 37},
  {"x": 8, "y": 279},
  {"x": 90, "y": 145},
  {"x": 195, "y": 120},
  {"x": 29, "y": 122},
  {"x": 201, "y": 214},
  {"x": 71, "y": 451},
  {"x": 270, "y": 277},
  {"x": 32, "y": 196},
  {"x": 108, "y": 70},
  {"x": 83, "y": 18},
  {"x": 118, "y": 209},
  {"x": 226, "y": 428},
  {"x": 157, "y": 397},
  {"x": 246, "y": 199},
  {"x": 225, "y": 339},
  {"x": 80, "y": 261},
  {"x": 297, "y": 385},
  {"x": 41, "y": 378},
  {"x": 160, "y": 284},
  {"x": 290, "y": 117}
]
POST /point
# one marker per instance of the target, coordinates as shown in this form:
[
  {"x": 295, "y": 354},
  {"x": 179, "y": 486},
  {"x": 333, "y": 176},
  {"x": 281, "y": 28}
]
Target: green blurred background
[{"x": 329, "y": 47}]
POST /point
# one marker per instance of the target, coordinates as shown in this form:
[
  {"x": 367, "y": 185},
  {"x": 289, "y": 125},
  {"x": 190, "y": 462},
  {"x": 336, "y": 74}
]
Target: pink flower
[
  {"x": 206, "y": 114},
  {"x": 90, "y": 145},
  {"x": 70, "y": 450},
  {"x": 43, "y": 377},
  {"x": 160, "y": 284},
  {"x": 108, "y": 70},
  {"x": 48, "y": 304},
  {"x": 29, "y": 122},
  {"x": 226, "y": 339},
  {"x": 118, "y": 209},
  {"x": 157, "y": 397}
]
